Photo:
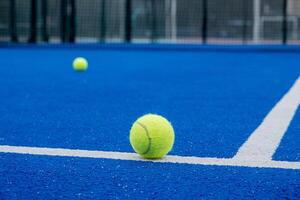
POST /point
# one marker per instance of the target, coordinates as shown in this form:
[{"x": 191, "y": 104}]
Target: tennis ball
[
  {"x": 152, "y": 136},
  {"x": 80, "y": 64}
]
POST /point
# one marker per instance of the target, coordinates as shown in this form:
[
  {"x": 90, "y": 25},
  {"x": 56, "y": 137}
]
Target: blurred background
[{"x": 151, "y": 21}]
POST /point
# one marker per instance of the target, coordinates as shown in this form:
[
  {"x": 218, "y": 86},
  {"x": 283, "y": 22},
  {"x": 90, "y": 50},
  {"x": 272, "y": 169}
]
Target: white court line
[
  {"x": 135, "y": 157},
  {"x": 256, "y": 152},
  {"x": 263, "y": 142}
]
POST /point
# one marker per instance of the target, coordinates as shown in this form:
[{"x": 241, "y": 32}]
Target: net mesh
[{"x": 175, "y": 21}]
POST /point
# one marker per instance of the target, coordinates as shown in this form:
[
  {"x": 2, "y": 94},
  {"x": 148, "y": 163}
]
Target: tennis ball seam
[{"x": 149, "y": 138}]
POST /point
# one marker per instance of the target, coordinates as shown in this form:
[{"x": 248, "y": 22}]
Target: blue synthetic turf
[
  {"x": 214, "y": 100},
  {"x": 38, "y": 177},
  {"x": 289, "y": 148}
]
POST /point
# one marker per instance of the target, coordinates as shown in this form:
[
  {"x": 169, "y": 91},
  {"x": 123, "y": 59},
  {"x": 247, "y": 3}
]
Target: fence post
[
  {"x": 44, "y": 21},
  {"x": 284, "y": 22},
  {"x": 33, "y": 21},
  {"x": 128, "y": 11},
  {"x": 72, "y": 35},
  {"x": 12, "y": 22},
  {"x": 103, "y": 21},
  {"x": 204, "y": 21}
]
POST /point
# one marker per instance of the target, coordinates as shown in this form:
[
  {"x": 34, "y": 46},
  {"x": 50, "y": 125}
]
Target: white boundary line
[
  {"x": 135, "y": 157},
  {"x": 263, "y": 142},
  {"x": 256, "y": 152}
]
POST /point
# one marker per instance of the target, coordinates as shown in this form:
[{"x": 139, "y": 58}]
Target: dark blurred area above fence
[{"x": 163, "y": 21}]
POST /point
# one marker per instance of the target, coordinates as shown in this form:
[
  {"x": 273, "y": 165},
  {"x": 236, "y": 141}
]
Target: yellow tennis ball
[
  {"x": 80, "y": 64},
  {"x": 152, "y": 136}
]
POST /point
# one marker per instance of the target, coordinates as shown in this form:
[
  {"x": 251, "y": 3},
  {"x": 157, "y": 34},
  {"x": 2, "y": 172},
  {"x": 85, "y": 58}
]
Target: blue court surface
[{"x": 234, "y": 111}]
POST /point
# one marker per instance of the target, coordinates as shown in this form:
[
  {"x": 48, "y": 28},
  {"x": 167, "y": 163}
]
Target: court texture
[{"x": 65, "y": 135}]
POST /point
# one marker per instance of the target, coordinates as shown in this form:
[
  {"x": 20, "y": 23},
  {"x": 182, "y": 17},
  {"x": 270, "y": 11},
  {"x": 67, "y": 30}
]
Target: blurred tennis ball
[{"x": 80, "y": 64}]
